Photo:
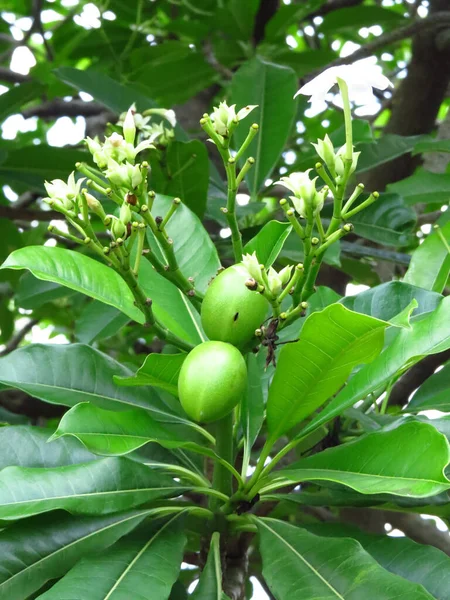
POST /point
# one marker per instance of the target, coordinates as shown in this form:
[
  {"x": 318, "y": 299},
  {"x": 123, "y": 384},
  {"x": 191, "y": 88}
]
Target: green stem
[
  {"x": 182, "y": 472},
  {"x": 290, "y": 214},
  {"x": 354, "y": 196},
  {"x": 265, "y": 452},
  {"x": 222, "y": 478},
  {"x": 248, "y": 140},
  {"x": 236, "y": 238},
  {"x": 370, "y": 200}
]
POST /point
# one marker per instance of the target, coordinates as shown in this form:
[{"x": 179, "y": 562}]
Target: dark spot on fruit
[{"x": 236, "y": 317}]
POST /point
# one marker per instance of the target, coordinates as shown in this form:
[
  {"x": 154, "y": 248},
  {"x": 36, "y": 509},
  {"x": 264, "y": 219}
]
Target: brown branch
[
  {"x": 211, "y": 59},
  {"x": 438, "y": 20},
  {"x": 12, "y": 77},
  {"x": 414, "y": 378},
  {"x": 15, "y": 341},
  {"x": 25, "y": 214},
  {"x": 332, "y": 5},
  {"x": 58, "y": 108}
]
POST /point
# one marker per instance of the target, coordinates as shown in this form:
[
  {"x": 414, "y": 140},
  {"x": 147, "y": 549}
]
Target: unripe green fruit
[
  {"x": 230, "y": 311},
  {"x": 212, "y": 381}
]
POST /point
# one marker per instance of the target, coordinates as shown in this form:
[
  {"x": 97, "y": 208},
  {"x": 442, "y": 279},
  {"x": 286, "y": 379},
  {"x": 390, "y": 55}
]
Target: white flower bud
[
  {"x": 285, "y": 274},
  {"x": 118, "y": 229},
  {"x": 325, "y": 150},
  {"x": 125, "y": 213},
  {"x": 129, "y": 127},
  {"x": 251, "y": 263},
  {"x": 124, "y": 175},
  {"x": 339, "y": 162},
  {"x": 65, "y": 193},
  {"x": 275, "y": 284}
]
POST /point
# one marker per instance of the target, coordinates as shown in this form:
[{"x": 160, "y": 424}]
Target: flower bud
[
  {"x": 251, "y": 263},
  {"x": 129, "y": 127},
  {"x": 275, "y": 284},
  {"x": 94, "y": 205},
  {"x": 118, "y": 229},
  {"x": 325, "y": 150},
  {"x": 339, "y": 161},
  {"x": 125, "y": 213},
  {"x": 124, "y": 175},
  {"x": 285, "y": 274}
]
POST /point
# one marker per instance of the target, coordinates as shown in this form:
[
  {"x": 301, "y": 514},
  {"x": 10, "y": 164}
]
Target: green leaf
[
  {"x": 32, "y": 165},
  {"x": 332, "y": 342},
  {"x": 77, "y": 272},
  {"x": 386, "y": 148},
  {"x": 423, "y": 187},
  {"x": 33, "y": 293},
  {"x": 114, "y": 433},
  {"x": 144, "y": 565},
  {"x": 419, "y": 563},
  {"x": 430, "y": 263},
  {"x": 184, "y": 174},
  {"x": 97, "y": 322},
  {"x": 109, "y": 92},
  {"x": 268, "y": 243},
  {"x": 171, "y": 72},
  {"x": 432, "y": 145},
  {"x": 428, "y": 335},
  {"x": 196, "y": 254},
  {"x": 286, "y": 15},
  {"x": 170, "y": 306},
  {"x": 26, "y": 446},
  {"x": 16, "y": 97},
  {"x": 45, "y": 547},
  {"x": 71, "y": 374},
  {"x": 299, "y": 564},
  {"x": 352, "y": 18},
  {"x": 387, "y": 221},
  {"x": 95, "y": 488},
  {"x": 389, "y": 299},
  {"x": 209, "y": 586},
  {"x": 433, "y": 394},
  {"x": 373, "y": 465},
  {"x": 252, "y": 408},
  {"x": 302, "y": 62},
  {"x": 272, "y": 88},
  {"x": 158, "y": 370}
]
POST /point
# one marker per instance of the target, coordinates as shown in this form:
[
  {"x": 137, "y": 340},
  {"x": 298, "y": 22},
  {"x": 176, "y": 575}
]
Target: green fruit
[
  {"x": 212, "y": 381},
  {"x": 230, "y": 311}
]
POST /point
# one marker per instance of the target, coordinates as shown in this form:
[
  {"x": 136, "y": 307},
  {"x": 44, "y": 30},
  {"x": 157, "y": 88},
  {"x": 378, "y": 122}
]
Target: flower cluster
[
  {"x": 335, "y": 160},
  {"x": 273, "y": 280},
  {"x": 225, "y": 117},
  {"x": 307, "y": 201}
]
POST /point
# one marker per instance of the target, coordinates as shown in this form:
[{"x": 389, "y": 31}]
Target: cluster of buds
[
  {"x": 63, "y": 196},
  {"x": 265, "y": 281},
  {"x": 307, "y": 201},
  {"x": 225, "y": 118},
  {"x": 334, "y": 160},
  {"x": 154, "y": 132}
]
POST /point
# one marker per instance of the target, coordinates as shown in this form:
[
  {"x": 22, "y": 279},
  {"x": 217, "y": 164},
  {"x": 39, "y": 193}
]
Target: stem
[
  {"x": 140, "y": 248},
  {"x": 356, "y": 193},
  {"x": 370, "y": 200},
  {"x": 347, "y": 118},
  {"x": 245, "y": 169},
  {"x": 248, "y": 140},
  {"x": 298, "y": 272},
  {"x": 321, "y": 171},
  {"x": 182, "y": 471},
  {"x": 290, "y": 214},
  {"x": 222, "y": 478},
  {"x": 260, "y": 465},
  {"x": 173, "y": 207},
  {"x": 236, "y": 238}
]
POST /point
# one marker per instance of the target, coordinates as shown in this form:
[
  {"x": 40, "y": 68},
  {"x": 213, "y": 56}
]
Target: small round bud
[
  {"x": 135, "y": 224},
  {"x": 191, "y": 279},
  {"x": 283, "y": 202},
  {"x": 170, "y": 241},
  {"x": 361, "y": 186},
  {"x": 158, "y": 220},
  {"x": 107, "y": 221},
  {"x": 283, "y": 316},
  {"x": 87, "y": 241},
  {"x": 348, "y": 227},
  {"x": 375, "y": 194},
  {"x": 299, "y": 267},
  {"x": 119, "y": 241},
  {"x": 231, "y": 160},
  {"x": 290, "y": 212},
  {"x": 144, "y": 208},
  {"x": 108, "y": 191},
  {"x": 106, "y": 250},
  {"x": 177, "y": 201},
  {"x": 50, "y": 228},
  {"x": 145, "y": 165},
  {"x": 151, "y": 194},
  {"x": 224, "y": 209},
  {"x": 304, "y": 305},
  {"x": 77, "y": 165},
  {"x": 315, "y": 241},
  {"x": 251, "y": 284},
  {"x": 251, "y": 160},
  {"x": 255, "y": 126},
  {"x": 318, "y": 166},
  {"x": 203, "y": 121},
  {"x": 191, "y": 293},
  {"x": 142, "y": 225}
]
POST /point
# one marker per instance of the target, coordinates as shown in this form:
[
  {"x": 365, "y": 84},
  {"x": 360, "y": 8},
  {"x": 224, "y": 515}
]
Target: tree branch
[
  {"x": 25, "y": 214},
  {"x": 12, "y": 77},
  {"x": 15, "y": 341},
  {"x": 59, "y": 108}
]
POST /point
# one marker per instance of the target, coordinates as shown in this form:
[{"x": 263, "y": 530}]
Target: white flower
[
  {"x": 124, "y": 175},
  {"x": 300, "y": 185},
  {"x": 339, "y": 163},
  {"x": 64, "y": 192},
  {"x": 275, "y": 284},
  {"x": 325, "y": 150},
  {"x": 360, "y": 77},
  {"x": 223, "y": 116},
  {"x": 285, "y": 274},
  {"x": 251, "y": 263},
  {"x": 165, "y": 113}
]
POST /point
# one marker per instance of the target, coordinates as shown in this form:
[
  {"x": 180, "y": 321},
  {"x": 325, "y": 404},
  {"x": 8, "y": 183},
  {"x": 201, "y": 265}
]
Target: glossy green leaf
[
  {"x": 304, "y": 62},
  {"x": 428, "y": 335},
  {"x": 170, "y": 305},
  {"x": 71, "y": 374},
  {"x": 32, "y": 165},
  {"x": 423, "y": 187},
  {"x": 271, "y": 87},
  {"x": 433, "y": 394},
  {"x": 387, "y": 221},
  {"x": 268, "y": 243},
  {"x": 310, "y": 371},
  {"x": 387, "y": 300},
  {"x": 26, "y": 446},
  {"x": 419, "y": 563},
  {"x": 184, "y": 174},
  {"x": 354, "y": 17},
  {"x": 373, "y": 465},
  {"x": 432, "y": 145},
  {"x": 109, "y": 92},
  {"x": 252, "y": 407},
  {"x": 16, "y": 97},
  {"x": 95, "y": 488},
  {"x": 77, "y": 272},
  {"x": 430, "y": 262},
  {"x": 209, "y": 586},
  {"x": 196, "y": 254},
  {"x": 114, "y": 433},
  {"x": 33, "y": 293},
  {"x": 45, "y": 547},
  {"x": 144, "y": 565},
  {"x": 158, "y": 370},
  {"x": 298, "y": 564},
  {"x": 98, "y": 322},
  {"x": 385, "y": 149}
]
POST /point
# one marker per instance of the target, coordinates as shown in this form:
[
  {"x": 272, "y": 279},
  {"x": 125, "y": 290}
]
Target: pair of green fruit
[{"x": 213, "y": 377}]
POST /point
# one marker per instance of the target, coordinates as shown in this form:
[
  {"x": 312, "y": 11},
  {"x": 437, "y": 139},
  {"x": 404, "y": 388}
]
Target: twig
[
  {"x": 12, "y": 77},
  {"x": 437, "y": 20},
  {"x": 58, "y": 108},
  {"x": 15, "y": 341},
  {"x": 25, "y": 214},
  {"x": 213, "y": 62},
  {"x": 379, "y": 253}
]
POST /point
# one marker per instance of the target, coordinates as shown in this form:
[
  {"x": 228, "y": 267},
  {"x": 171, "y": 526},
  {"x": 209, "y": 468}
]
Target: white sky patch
[
  {"x": 49, "y": 16},
  {"x": 108, "y": 15},
  {"x": 225, "y": 233},
  {"x": 17, "y": 33},
  {"x": 258, "y": 590},
  {"x": 89, "y": 18},
  {"x": 348, "y": 48},
  {"x": 309, "y": 30},
  {"x": 86, "y": 97},
  {"x": 352, "y": 289},
  {"x": 396, "y": 533},
  {"x": 440, "y": 524},
  {"x": 15, "y": 123},
  {"x": 43, "y": 335},
  {"x": 9, "y": 193},
  {"x": 24, "y": 23},
  {"x": 290, "y": 157},
  {"x": 242, "y": 199},
  {"x": 291, "y": 41},
  {"x": 65, "y": 132},
  {"x": 22, "y": 60}
]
